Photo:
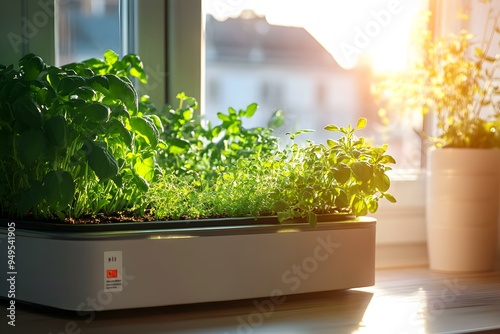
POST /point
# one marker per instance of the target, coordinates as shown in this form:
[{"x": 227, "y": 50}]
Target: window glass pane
[
  {"x": 87, "y": 28},
  {"x": 316, "y": 60}
]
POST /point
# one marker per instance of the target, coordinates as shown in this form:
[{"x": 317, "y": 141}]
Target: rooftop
[{"x": 254, "y": 39}]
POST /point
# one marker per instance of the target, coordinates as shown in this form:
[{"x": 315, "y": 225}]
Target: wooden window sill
[{"x": 403, "y": 300}]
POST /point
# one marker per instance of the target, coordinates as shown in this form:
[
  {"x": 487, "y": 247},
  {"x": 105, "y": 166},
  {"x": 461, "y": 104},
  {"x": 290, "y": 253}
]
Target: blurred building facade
[{"x": 249, "y": 60}]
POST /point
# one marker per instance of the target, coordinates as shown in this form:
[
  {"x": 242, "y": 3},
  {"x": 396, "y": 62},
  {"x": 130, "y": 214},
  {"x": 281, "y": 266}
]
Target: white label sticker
[{"x": 113, "y": 271}]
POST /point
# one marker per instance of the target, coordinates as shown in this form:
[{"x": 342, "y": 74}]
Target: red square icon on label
[{"x": 112, "y": 273}]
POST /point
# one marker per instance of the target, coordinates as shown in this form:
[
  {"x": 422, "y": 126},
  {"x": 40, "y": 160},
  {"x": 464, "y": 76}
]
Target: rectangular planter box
[{"x": 133, "y": 265}]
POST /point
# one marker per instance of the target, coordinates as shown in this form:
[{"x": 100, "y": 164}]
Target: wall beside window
[{"x": 26, "y": 26}]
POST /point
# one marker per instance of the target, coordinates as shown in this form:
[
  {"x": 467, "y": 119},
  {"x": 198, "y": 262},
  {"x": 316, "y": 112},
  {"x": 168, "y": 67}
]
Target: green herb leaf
[
  {"x": 69, "y": 84},
  {"x": 136, "y": 67},
  {"x": 282, "y": 216},
  {"x": 117, "y": 127},
  {"x": 97, "y": 112},
  {"x": 99, "y": 83},
  {"x": 145, "y": 168},
  {"x": 31, "y": 145},
  {"x": 332, "y": 128},
  {"x": 141, "y": 183},
  {"x": 100, "y": 160},
  {"x": 359, "y": 206},
  {"x": 26, "y": 111},
  {"x": 111, "y": 57},
  {"x": 32, "y": 66},
  {"x": 59, "y": 189},
  {"x": 361, "y": 124},
  {"x": 177, "y": 145},
  {"x": 56, "y": 129},
  {"x": 85, "y": 93},
  {"x": 362, "y": 170},
  {"x": 342, "y": 201},
  {"x": 251, "y": 109},
  {"x": 146, "y": 129},
  {"x": 123, "y": 90},
  {"x": 382, "y": 182},
  {"x": 341, "y": 173},
  {"x": 390, "y": 197},
  {"x": 373, "y": 206}
]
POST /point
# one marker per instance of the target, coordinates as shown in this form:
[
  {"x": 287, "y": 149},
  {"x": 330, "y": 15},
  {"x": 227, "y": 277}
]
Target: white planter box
[{"x": 158, "y": 266}]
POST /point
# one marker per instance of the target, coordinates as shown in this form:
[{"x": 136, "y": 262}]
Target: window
[
  {"x": 87, "y": 28},
  {"x": 316, "y": 61}
]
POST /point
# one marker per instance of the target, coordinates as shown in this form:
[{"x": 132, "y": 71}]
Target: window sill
[{"x": 412, "y": 300}]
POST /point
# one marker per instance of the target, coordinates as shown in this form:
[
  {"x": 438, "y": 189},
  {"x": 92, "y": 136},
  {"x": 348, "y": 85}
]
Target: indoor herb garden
[
  {"x": 78, "y": 143},
  {"x": 93, "y": 178}
]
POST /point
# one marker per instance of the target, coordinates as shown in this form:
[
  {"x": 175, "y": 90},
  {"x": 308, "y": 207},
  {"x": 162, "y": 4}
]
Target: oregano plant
[{"x": 344, "y": 175}]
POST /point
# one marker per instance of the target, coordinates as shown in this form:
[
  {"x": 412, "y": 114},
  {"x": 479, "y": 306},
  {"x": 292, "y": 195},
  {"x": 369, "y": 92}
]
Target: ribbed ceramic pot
[{"x": 462, "y": 209}]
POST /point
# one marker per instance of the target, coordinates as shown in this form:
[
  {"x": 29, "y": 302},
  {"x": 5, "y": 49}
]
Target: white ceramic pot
[{"x": 462, "y": 209}]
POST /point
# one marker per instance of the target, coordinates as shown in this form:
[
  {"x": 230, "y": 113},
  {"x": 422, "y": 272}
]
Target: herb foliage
[
  {"x": 78, "y": 140},
  {"x": 345, "y": 175},
  {"x": 73, "y": 138}
]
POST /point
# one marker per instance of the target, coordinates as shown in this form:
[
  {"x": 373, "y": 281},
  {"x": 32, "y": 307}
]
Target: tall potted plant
[{"x": 453, "y": 83}]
